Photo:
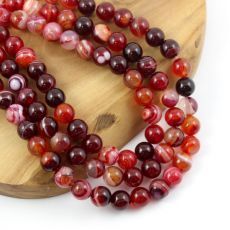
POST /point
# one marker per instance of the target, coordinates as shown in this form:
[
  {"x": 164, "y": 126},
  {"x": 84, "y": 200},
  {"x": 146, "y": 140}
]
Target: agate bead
[
  {"x": 36, "y": 69},
  {"x": 64, "y": 113},
  {"x": 77, "y": 156},
  {"x": 87, "y": 7},
  {"x": 64, "y": 178},
  {"x": 139, "y": 197},
  {"x": 164, "y": 153},
  {"x": 144, "y": 151},
  {"x": 139, "y": 26},
  {"x": 17, "y": 82},
  {"x": 85, "y": 49},
  {"x": 190, "y": 145},
  {"x": 37, "y": 146},
  {"x": 132, "y": 52},
  {"x": 32, "y": 7},
  {"x": 36, "y": 24},
  {"x": 69, "y": 40},
  {"x": 50, "y": 161},
  {"x": 170, "y": 98},
  {"x": 120, "y": 199},
  {"x": 159, "y": 81},
  {"x": 69, "y": 4},
  {"x": 151, "y": 114},
  {"x": 133, "y": 177},
  {"x": 181, "y": 67},
  {"x": 188, "y": 105},
  {"x": 27, "y": 130},
  {"x": 7, "y": 98},
  {"x": 13, "y": 5},
  {"x": 185, "y": 86},
  {"x": 15, "y": 114},
  {"x": 3, "y": 55},
  {"x": 170, "y": 49},
  {"x": 55, "y": 97},
  {"x": 101, "y": 33},
  {"x": 182, "y": 161},
  {"x": 174, "y": 116},
  {"x": 118, "y": 64},
  {"x": 101, "y": 56},
  {"x": 151, "y": 168},
  {"x": 101, "y": 196},
  {"x": 147, "y": 66},
  {"x": 84, "y": 26},
  {"x": 117, "y": 41},
  {"x": 154, "y": 134},
  {"x": 60, "y": 142},
  {"x": 19, "y": 19},
  {"x": 9, "y": 68},
  {"x": 123, "y": 17},
  {"x": 4, "y": 34},
  {"x": 13, "y": 44},
  {"x": 144, "y": 96},
  {"x": 191, "y": 125},
  {"x": 77, "y": 130},
  {"x": 92, "y": 143},
  {"x": 45, "y": 83},
  {"x": 172, "y": 176},
  {"x": 52, "y": 31},
  {"x": 174, "y": 137},
  {"x": 155, "y": 37},
  {"x": 133, "y": 79},
  {"x": 36, "y": 111},
  {"x": 95, "y": 168},
  {"x": 113, "y": 176},
  {"x": 81, "y": 189},
  {"x": 25, "y": 56},
  {"x": 26, "y": 97},
  {"x": 4, "y": 17},
  {"x": 48, "y": 127},
  {"x": 49, "y": 12},
  {"x": 108, "y": 155},
  {"x": 127, "y": 159},
  {"x": 158, "y": 189},
  {"x": 66, "y": 19},
  {"x": 105, "y": 11}
]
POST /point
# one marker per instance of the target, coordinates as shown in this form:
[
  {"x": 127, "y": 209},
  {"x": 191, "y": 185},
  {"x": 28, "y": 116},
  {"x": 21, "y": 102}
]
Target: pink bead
[
  {"x": 108, "y": 155},
  {"x": 31, "y": 7},
  {"x": 52, "y": 31},
  {"x": 17, "y": 82},
  {"x": 81, "y": 189},
  {"x": 60, "y": 142},
  {"x": 85, "y": 49},
  {"x": 101, "y": 56},
  {"x": 14, "y": 114},
  {"x": 127, "y": 159},
  {"x": 151, "y": 114},
  {"x": 172, "y": 176},
  {"x": 25, "y": 56},
  {"x": 4, "y": 17},
  {"x": 170, "y": 98},
  {"x": 36, "y": 24},
  {"x": 139, "y": 26},
  {"x": 64, "y": 177},
  {"x": 187, "y": 105},
  {"x": 101, "y": 33},
  {"x": 69, "y": 40},
  {"x": 19, "y": 19}
]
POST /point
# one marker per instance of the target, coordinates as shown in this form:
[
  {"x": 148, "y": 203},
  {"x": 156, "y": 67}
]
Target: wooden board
[{"x": 98, "y": 96}]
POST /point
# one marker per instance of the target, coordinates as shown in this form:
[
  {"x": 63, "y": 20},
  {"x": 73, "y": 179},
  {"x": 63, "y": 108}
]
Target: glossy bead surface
[
  {"x": 36, "y": 69},
  {"x": 69, "y": 40},
  {"x": 64, "y": 113},
  {"x": 37, "y": 111},
  {"x": 4, "y": 34},
  {"x": 92, "y": 143},
  {"x": 7, "y": 98},
  {"x": 95, "y": 168},
  {"x": 151, "y": 114},
  {"x": 190, "y": 145},
  {"x": 188, "y": 105},
  {"x": 84, "y": 26},
  {"x": 66, "y": 19},
  {"x": 113, "y": 176},
  {"x": 151, "y": 168},
  {"x": 48, "y": 127},
  {"x": 64, "y": 178},
  {"x": 26, "y": 97},
  {"x": 191, "y": 125},
  {"x": 9, "y": 68},
  {"x": 155, "y": 37},
  {"x": 52, "y": 31},
  {"x": 81, "y": 189},
  {"x": 123, "y": 17},
  {"x": 17, "y": 82},
  {"x": 147, "y": 66},
  {"x": 69, "y": 4},
  {"x": 77, "y": 156},
  {"x": 164, "y": 153},
  {"x": 170, "y": 49},
  {"x": 117, "y": 41},
  {"x": 105, "y": 11},
  {"x": 45, "y": 83},
  {"x": 181, "y": 67},
  {"x": 159, "y": 81},
  {"x": 101, "y": 196},
  {"x": 32, "y": 7},
  {"x": 127, "y": 159},
  {"x": 27, "y": 130},
  {"x": 37, "y": 146},
  {"x": 144, "y": 96},
  {"x": 182, "y": 161},
  {"x": 133, "y": 79},
  {"x": 120, "y": 200},
  {"x": 13, "y": 44},
  {"x": 172, "y": 176},
  {"x": 60, "y": 142},
  {"x": 25, "y": 56},
  {"x": 49, "y": 12},
  {"x": 101, "y": 56},
  {"x": 144, "y": 151},
  {"x": 118, "y": 64},
  {"x": 50, "y": 161},
  {"x": 55, "y": 97},
  {"x": 36, "y": 24},
  {"x": 15, "y": 114},
  {"x": 85, "y": 49},
  {"x": 87, "y": 7},
  {"x": 154, "y": 134},
  {"x": 170, "y": 98},
  {"x": 77, "y": 130},
  {"x": 133, "y": 177},
  {"x": 158, "y": 189},
  {"x": 4, "y": 17},
  {"x": 13, "y": 5},
  {"x": 185, "y": 86},
  {"x": 133, "y": 52},
  {"x": 101, "y": 33},
  {"x": 19, "y": 19},
  {"x": 174, "y": 137},
  {"x": 174, "y": 117},
  {"x": 108, "y": 155},
  {"x": 139, "y": 26},
  {"x": 139, "y": 197}
]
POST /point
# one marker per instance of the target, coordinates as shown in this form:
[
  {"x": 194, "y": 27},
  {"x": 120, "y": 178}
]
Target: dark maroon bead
[
  {"x": 84, "y": 26},
  {"x": 118, "y": 64},
  {"x": 120, "y": 200},
  {"x": 147, "y": 66},
  {"x": 1, "y": 85},
  {"x": 46, "y": 82},
  {"x": 101, "y": 196},
  {"x": 37, "y": 111},
  {"x": 13, "y": 44},
  {"x": 50, "y": 161},
  {"x": 4, "y": 34},
  {"x": 92, "y": 143},
  {"x": 185, "y": 86},
  {"x": 36, "y": 69},
  {"x": 87, "y": 7},
  {"x": 7, "y": 98},
  {"x": 48, "y": 126},
  {"x": 9, "y": 68},
  {"x": 26, "y": 97},
  {"x": 151, "y": 168},
  {"x": 159, "y": 81},
  {"x": 123, "y": 17},
  {"x": 77, "y": 156},
  {"x": 133, "y": 177},
  {"x": 105, "y": 11},
  {"x": 55, "y": 97},
  {"x": 77, "y": 130},
  {"x": 133, "y": 52},
  {"x": 27, "y": 130},
  {"x": 158, "y": 189},
  {"x": 170, "y": 48},
  {"x": 144, "y": 151},
  {"x": 155, "y": 37}
]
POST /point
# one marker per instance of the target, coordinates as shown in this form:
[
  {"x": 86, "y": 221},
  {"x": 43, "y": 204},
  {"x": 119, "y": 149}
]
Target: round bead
[
  {"x": 170, "y": 49},
  {"x": 69, "y": 4},
  {"x": 64, "y": 178},
  {"x": 17, "y": 82},
  {"x": 181, "y": 67},
  {"x": 188, "y": 105},
  {"x": 81, "y": 189},
  {"x": 155, "y": 37},
  {"x": 151, "y": 168},
  {"x": 191, "y": 125},
  {"x": 133, "y": 177},
  {"x": 64, "y": 113},
  {"x": 147, "y": 66},
  {"x": 26, "y": 97},
  {"x": 15, "y": 114},
  {"x": 139, "y": 26},
  {"x": 185, "y": 86},
  {"x": 9, "y": 68},
  {"x": 87, "y": 7},
  {"x": 19, "y": 19},
  {"x": 190, "y": 145},
  {"x": 48, "y": 127},
  {"x": 55, "y": 97},
  {"x": 4, "y": 17},
  {"x": 105, "y": 11},
  {"x": 174, "y": 137},
  {"x": 52, "y": 31},
  {"x": 159, "y": 81},
  {"x": 151, "y": 114},
  {"x": 127, "y": 159},
  {"x": 92, "y": 143},
  {"x": 170, "y": 98},
  {"x": 77, "y": 130},
  {"x": 4, "y": 34},
  {"x": 27, "y": 130},
  {"x": 113, "y": 176},
  {"x": 154, "y": 134},
  {"x": 45, "y": 83},
  {"x": 174, "y": 116},
  {"x": 69, "y": 40},
  {"x": 182, "y": 161},
  {"x": 32, "y": 7},
  {"x": 118, "y": 64},
  {"x": 84, "y": 26},
  {"x": 158, "y": 189},
  {"x": 50, "y": 161},
  {"x": 85, "y": 49},
  {"x": 77, "y": 156},
  {"x": 172, "y": 176},
  {"x": 164, "y": 153},
  {"x": 13, "y": 44},
  {"x": 139, "y": 197},
  {"x": 7, "y": 98},
  {"x": 37, "y": 111},
  {"x": 13, "y": 5},
  {"x": 144, "y": 151},
  {"x": 101, "y": 33},
  {"x": 117, "y": 41},
  {"x": 37, "y": 146},
  {"x": 95, "y": 168},
  {"x": 123, "y": 17},
  {"x": 120, "y": 200},
  {"x": 101, "y": 196},
  {"x": 25, "y": 56},
  {"x": 133, "y": 52},
  {"x": 36, "y": 24},
  {"x": 101, "y": 56},
  {"x": 49, "y": 12},
  {"x": 60, "y": 142},
  {"x": 133, "y": 79},
  {"x": 36, "y": 69},
  {"x": 108, "y": 155},
  {"x": 144, "y": 96},
  {"x": 66, "y": 19}
]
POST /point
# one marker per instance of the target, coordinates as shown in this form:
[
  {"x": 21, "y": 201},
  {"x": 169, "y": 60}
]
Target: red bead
[
  {"x": 118, "y": 64},
  {"x": 64, "y": 178},
  {"x": 117, "y": 41},
  {"x": 105, "y": 11},
  {"x": 154, "y": 134},
  {"x": 133, "y": 177},
  {"x": 49, "y": 12},
  {"x": 13, "y": 44},
  {"x": 4, "y": 17},
  {"x": 144, "y": 96},
  {"x": 127, "y": 159},
  {"x": 95, "y": 168},
  {"x": 37, "y": 111},
  {"x": 3, "y": 55},
  {"x": 174, "y": 117},
  {"x": 139, "y": 26},
  {"x": 147, "y": 66},
  {"x": 92, "y": 143},
  {"x": 172, "y": 176},
  {"x": 4, "y": 34},
  {"x": 9, "y": 68},
  {"x": 13, "y": 5},
  {"x": 155, "y": 37},
  {"x": 164, "y": 153},
  {"x": 120, "y": 199},
  {"x": 159, "y": 81},
  {"x": 108, "y": 155},
  {"x": 77, "y": 130},
  {"x": 69, "y": 4},
  {"x": 50, "y": 161},
  {"x": 37, "y": 146},
  {"x": 19, "y": 19},
  {"x": 191, "y": 125},
  {"x": 25, "y": 56},
  {"x": 170, "y": 49},
  {"x": 190, "y": 145},
  {"x": 26, "y": 97},
  {"x": 151, "y": 114},
  {"x": 133, "y": 79},
  {"x": 101, "y": 33},
  {"x": 60, "y": 142},
  {"x": 158, "y": 189},
  {"x": 174, "y": 137},
  {"x": 101, "y": 196},
  {"x": 46, "y": 82},
  {"x": 66, "y": 19},
  {"x": 81, "y": 189},
  {"x": 181, "y": 67},
  {"x": 123, "y": 17},
  {"x": 48, "y": 127},
  {"x": 64, "y": 113},
  {"x": 139, "y": 197},
  {"x": 85, "y": 49},
  {"x": 101, "y": 56},
  {"x": 77, "y": 156},
  {"x": 151, "y": 168}
]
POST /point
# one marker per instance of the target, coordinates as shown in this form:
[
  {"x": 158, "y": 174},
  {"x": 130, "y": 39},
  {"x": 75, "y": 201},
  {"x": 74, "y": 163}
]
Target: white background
[{"x": 201, "y": 201}]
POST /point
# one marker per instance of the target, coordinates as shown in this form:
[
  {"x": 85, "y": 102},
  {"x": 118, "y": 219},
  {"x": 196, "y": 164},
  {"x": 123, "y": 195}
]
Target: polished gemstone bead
[
  {"x": 92, "y": 143},
  {"x": 182, "y": 161},
  {"x": 155, "y": 37},
  {"x": 37, "y": 146},
  {"x": 190, "y": 145},
  {"x": 25, "y": 56},
  {"x": 154, "y": 134},
  {"x": 60, "y": 142},
  {"x": 36, "y": 69},
  {"x": 84, "y": 26},
  {"x": 164, "y": 153},
  {"x": 77, "y": 156},
  {"x": 4, "y": 17},
  {"x": 144, "y": 151},
  {"x": 4, "y": 34},
  {"x": 17, "y": 82},
  {"x": 19, "y": 19},
  {"x": 69, "y": 40},
  {"x": 118, "y": 64},
  {"x": 26, "y": 97},
  {"x": 13, "y": 5},
  {"x": 123, "y": 17},
  {"x": 64, "y": 178},
  {"x": 144, "y": 96},
  {"x": 81, "y": 189},
  {"x": 52, "y": 31},
  {"x": 7, "y": 98},
  {"x": 120, "y": 199},
  {"x": 139, "y": 26},
  {"x": 87, "y": 7},
  {"x": 95, "y": 168},
  {"x": 15, "y": 114},
  {"x": 127, "y": 159},
  {"x": 36, "y": 24},
  {"x": 170, "y": 49},
  {"x": 64, "y": 113},
  {"x": 191, "y": 125},
  {"x": 77, "y": 130},
  {"x": 172, "y": 176},
  {"x": 101, "y": 55},
  {"x": 185, "y": 86},
  {"x": 133, "y": 177},
  {"x": 188, "y": 105},
  {"x": 32, "y": 7},
  {"x": 108, "y": 155},
  {"x": 158, "y": 189},
  {"x": 181, "y": 67},
  {"x": 133, "y": 79},
  {"x": 49, "y": 12},
  {"x": 48, "y": 127},
  {"x": 45, "y": 83},
  {"x": 147, "y": 66},
  {"x": 174, "y": 137},
  {"x": 9, "y": 68},
  {"x": 174, "y": 116},
  {"x": 170, "y": 98},
  {"x": 27, "y": 130},
  {"x": 101, "y": 33},
  {"x": 151, "y": 114},
  {"x": 50, "y": 161},
  {"x": 133, "y": 52},
  {"x": 105, "y": 11},
  {"x": 159, "y": 81},
  {"x": 117, "y": 41},
  {"x": 13, "y": 44},
  {"x": 151, "y": 168},
  {"x": 37, "y": 111},
  {"x": 69, "y": 4},
  {"x": 66, "y": 19},
  {"x": 113, "y": 176},
  {"x": 55, "y": 97},
  {"x": 139, "y": 197},
  {"x": 85, "y": 49},
  {"x": 101, "y": 196}
]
